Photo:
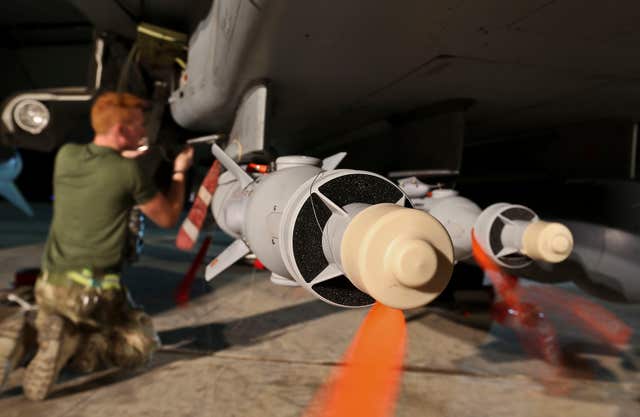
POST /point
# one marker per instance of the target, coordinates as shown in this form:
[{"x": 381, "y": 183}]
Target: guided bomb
[
  {"x": 349, "y": 237},
  {"x": 512, "y": 235}
]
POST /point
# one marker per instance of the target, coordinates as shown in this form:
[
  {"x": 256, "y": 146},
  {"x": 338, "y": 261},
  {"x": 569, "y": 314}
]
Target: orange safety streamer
[
  {"x": 528, "y": 310},
  {"x": 368, "y": 381},
  {"x": 181, "y": 295}
]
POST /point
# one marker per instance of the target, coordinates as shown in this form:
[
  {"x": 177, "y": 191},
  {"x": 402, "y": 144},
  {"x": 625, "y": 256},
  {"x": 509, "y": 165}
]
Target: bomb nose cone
[
  {"x": 401, "y": 257},
  {"x": 549, "y": 242},
  {"x": 413, "y": 262},
  {"x": 560, "y": 244}
]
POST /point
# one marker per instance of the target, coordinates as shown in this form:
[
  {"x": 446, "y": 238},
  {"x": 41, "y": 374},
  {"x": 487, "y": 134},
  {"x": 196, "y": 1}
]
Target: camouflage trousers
[{"x": 100, "y": 315}]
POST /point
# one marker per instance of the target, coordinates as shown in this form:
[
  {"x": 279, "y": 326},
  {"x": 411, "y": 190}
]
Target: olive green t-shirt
[{"x": 94, "y": 190}]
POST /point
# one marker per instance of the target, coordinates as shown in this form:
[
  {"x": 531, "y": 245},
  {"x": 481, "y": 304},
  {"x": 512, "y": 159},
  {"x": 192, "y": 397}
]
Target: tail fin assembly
[{"x": 9, "y": 170}]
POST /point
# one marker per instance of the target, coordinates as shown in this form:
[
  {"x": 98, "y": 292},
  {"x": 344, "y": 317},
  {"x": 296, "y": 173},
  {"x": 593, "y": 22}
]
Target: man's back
[
  {"x": 84, "y": 312},
  {"x": 94, "y": 189}
]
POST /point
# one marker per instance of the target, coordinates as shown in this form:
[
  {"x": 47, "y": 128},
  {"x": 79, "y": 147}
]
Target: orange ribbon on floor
[{"x": 368, "y": 381}]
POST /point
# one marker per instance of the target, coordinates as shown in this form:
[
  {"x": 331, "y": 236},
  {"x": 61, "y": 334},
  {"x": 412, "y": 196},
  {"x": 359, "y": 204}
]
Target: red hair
[{"x": 111, "y": 108}]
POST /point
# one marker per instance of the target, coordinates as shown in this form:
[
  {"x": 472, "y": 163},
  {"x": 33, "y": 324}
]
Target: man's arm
[{"x": 164, "y": 210}]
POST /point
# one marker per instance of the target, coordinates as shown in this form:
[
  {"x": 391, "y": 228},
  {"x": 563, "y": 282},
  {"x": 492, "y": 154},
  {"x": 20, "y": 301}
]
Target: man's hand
[
  {"x": 184, "y": 160},
  {"x": 133, "y": 154},
  {"x": 164, "y": 209}
]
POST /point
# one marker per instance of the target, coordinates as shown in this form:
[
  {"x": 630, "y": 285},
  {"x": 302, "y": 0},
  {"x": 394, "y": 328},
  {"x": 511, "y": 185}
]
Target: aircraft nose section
[{"x": 11, "y": 168}]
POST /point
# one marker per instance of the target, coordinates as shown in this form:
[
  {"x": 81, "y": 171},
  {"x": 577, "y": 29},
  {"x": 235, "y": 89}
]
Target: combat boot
[
  {"x": 134, "y": 342},
  {"x": 11, "y": 344},
  {"x": 56, "y": 344},
  {"x": 92, "y": 354}
]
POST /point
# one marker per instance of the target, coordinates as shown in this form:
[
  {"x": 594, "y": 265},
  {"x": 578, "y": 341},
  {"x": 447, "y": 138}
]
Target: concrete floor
[{"x": 245, "y": 347}]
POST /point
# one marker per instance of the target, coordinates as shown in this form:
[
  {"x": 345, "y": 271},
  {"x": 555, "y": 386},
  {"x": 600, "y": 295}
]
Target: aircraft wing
[{"x": 9, "y": 170}]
